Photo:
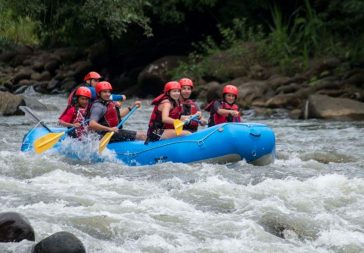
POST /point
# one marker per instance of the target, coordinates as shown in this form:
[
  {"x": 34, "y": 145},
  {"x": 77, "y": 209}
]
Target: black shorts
[{"x": 124, "y": 135}]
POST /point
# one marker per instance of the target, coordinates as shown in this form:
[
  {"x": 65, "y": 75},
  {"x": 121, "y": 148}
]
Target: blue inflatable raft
[{"x": 229, "y": 142}]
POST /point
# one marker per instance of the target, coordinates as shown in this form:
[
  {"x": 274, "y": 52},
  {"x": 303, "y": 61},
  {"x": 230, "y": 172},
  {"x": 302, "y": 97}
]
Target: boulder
[
  {"x": 60, "y": 242},
  {"x": 53, "y": 84},
  {"x": 290, "y": 88},
  {"x": 38, "y": 66},
  {"x": 250, "y": 91},
  {"x": 319, "y": 66},
  {"x": 321, "y": 106},
  {"x": 7, "y": 56},
  {"x": 14, "y": 228},
  {"x": 68, "y": 54},
  {"x": 213, "y": 91},
  {"x": 290, "y": 101},
  {"x": 52, "y": 65},
  {"x": 276, "y": 80},
  {"x": 80, "y": 68},
  {"x": 257, "y": 72},
  {"x": 23, "y": 73},
  {"x": 9, "y": 104},
  {"x": 357, "y": 79},
  {"x": 152, "y": 79},
  {"x": 44, "y": 76}
]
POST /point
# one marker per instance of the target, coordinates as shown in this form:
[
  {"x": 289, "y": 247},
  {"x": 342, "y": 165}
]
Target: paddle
[
  {"x": 49, "y": 140},
  {"x": 106, "y": 139},
  {"x": 30, "y": 113},
  {"x": 178, "y": 124}
]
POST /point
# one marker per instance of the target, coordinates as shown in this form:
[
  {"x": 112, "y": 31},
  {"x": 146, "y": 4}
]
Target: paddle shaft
[
  {"x": 28, "y": 111},
  {"x": 194, "y": 117},
  {"x": 127, "y": 116}
]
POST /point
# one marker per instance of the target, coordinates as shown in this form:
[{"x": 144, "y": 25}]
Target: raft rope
[{"x": 199, "y": 142}]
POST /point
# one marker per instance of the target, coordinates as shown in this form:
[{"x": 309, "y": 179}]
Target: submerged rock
[
  {"x": 14, "y": 228},
  {"x": 60, "y": 242}
]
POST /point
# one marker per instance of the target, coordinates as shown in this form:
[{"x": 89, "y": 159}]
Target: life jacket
[
  {"x": 112, "y": 115},
  {"x": 155, "y": 121},
  {"x": 216, "y": 118},
  {"x": 79, "y": 115},
  {"x": 189, "y": 107}
]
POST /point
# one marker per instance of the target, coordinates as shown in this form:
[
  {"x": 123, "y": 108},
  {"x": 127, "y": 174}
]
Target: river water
[{"x": 310, "y": 200}]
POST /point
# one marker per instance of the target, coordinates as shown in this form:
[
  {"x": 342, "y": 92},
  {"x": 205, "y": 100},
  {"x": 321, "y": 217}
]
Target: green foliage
[
  {"x": 226, "y": 60},
  {"x": 285, "y": 34},
  {"x": 71, "y": 22},
  {"x": 16, "y": 30},
  {"x": 174, "y": 11},
  {"x": 88, "y": 21}
]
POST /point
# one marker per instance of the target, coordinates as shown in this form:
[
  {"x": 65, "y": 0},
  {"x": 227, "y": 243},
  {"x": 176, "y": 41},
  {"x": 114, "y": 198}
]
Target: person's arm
[
  {"x": 66, "y": 118},
  {"x": 117, "y": 97},
  {"x": 165, "y": 107},
  {"x": 224, "y": 112},
  {"x": 126, "y": 110},
  {"x": 66, "y": 124}
]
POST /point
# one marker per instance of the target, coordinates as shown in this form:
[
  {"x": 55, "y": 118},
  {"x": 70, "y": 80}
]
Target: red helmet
[
  {"x": 186, "y": 82},
  {"x": 92, "y": 75},
  {"x": 230, "y": 89},
  {"x": 171, "y": 85},
  {"x": 100, "y": 86},
  {"x": 83, "y": 91}
]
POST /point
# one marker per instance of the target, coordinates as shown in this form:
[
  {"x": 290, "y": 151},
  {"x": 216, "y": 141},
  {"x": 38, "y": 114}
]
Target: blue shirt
[{"x": 114, "y": 97}]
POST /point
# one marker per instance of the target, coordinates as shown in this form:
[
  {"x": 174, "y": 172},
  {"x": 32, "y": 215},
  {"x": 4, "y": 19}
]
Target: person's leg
[
  {"x": 171, "y": 133},
  {"x": 124, "y": 135},
  {"x": 141, "y": 135}
]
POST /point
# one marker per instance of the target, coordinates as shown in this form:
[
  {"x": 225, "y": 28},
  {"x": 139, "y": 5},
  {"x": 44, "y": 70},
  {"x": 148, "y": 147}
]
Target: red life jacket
[
  {"x": 112, "y": 115},
  {"x": 79, "y": 115},
  {"x": 155, "y": 121},
  {"x": 189, "y": 107},
  {"x": 216, "y": 118}
]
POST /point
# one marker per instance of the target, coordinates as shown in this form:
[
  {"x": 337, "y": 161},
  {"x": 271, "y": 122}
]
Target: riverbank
[{"x": 334, "y": 83}]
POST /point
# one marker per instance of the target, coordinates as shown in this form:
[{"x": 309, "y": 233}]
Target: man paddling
[{"x": 105, "y": 115}]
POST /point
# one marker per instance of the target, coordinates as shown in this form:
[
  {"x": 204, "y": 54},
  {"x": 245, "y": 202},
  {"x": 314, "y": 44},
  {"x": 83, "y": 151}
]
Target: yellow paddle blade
[
  {"x": 46, "y": 142},
  {"x": 178, "y": 126},
  {"x": 104, "y": 141}
]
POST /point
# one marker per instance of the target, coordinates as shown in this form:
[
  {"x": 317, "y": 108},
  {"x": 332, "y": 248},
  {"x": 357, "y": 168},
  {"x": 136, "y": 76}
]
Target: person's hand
[
  {"x": 203, "y": 122},
  {"x": 234, "y": 113},
  {"x": 124, "y": 97},
  {"x": 199, "y": 115},
  {"x": 113, "y": 129},
  {"x": 138, "y": 104},
  {"x": 76, "y": 124},
  {"x": 185, "y": 117},
  {"x": 118, "y": 104}
]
